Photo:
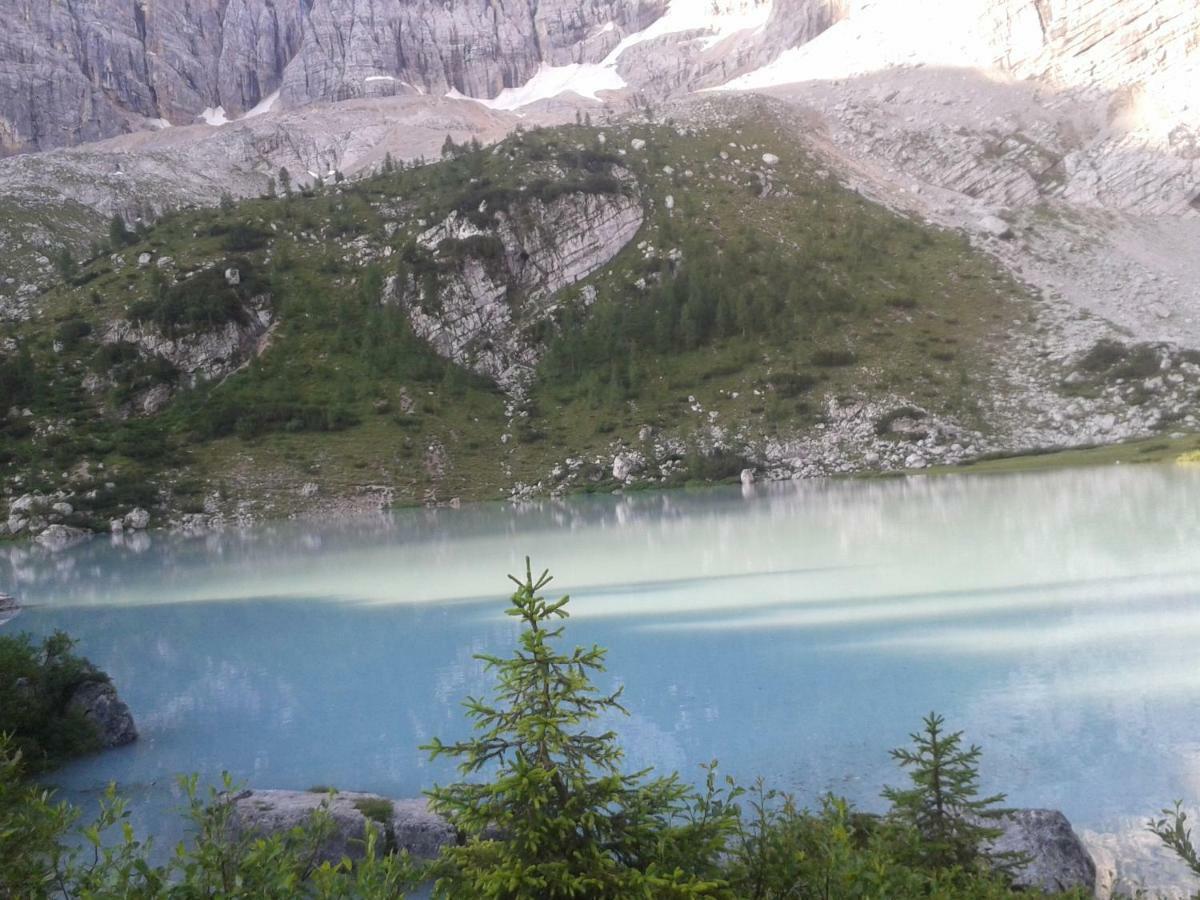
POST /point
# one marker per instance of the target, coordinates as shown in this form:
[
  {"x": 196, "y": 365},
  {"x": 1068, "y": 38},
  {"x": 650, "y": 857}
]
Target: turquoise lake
[{"x": 795, "y": 631}]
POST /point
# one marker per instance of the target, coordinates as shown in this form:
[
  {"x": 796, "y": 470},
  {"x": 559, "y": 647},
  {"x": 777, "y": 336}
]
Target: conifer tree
[
  {"x": 943, "y": 805},
  {"x": 559, "y": 818}
]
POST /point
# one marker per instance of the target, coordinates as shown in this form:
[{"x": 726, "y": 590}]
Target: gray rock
[
  {"x": 410, "y": 827},
  {"x": 1057, "y": 859},
  {"x": 233, "y": 276},
  {"x": 137, "y": 519},
  {"x": 99, "y": 703},
  {"x": 25, "y": 503},
  {"x": 59, "y": 537},
  {"x": 747, "y": 476},
  {"x": 995, "y": 227},
  {"x": 546, "y": 247},
  {"x": 627, "y": 464},
  {"x": 9, "y": 607}
]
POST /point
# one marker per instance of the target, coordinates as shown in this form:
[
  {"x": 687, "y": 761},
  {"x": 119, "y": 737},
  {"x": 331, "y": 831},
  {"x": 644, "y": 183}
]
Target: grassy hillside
[{"x": 754, "y": 296}]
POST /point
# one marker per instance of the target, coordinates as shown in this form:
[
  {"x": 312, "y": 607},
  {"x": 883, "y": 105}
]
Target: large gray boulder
[
  {"x": 100, "y": 705},
  {"x": 1056, "y": 858},
  {"x": 403, "y": 824}
]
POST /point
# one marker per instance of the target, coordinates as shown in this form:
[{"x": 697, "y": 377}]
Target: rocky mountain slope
[
  {"x": 574, "y": 308},
  {"x": 1054, "y": 134}
]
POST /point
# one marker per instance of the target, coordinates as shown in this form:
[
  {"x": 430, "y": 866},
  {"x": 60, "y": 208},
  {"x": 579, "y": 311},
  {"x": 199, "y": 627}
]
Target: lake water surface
[{"x": 795, "y": 631}]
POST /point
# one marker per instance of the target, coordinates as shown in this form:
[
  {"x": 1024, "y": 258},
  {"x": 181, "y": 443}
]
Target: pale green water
[{"x": 798, "y": 632}]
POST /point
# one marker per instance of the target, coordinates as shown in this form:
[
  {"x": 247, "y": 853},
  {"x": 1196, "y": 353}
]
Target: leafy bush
[{"x": 37, "y": 682}]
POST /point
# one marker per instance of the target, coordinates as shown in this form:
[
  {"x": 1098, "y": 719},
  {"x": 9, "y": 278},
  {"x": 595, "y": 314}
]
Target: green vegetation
[
  {"x": 550, "y": 812},
  {"x": 376, "y": 809},
  {"x": 759, "y": 303},
  {"x": 37, "y": 682}
]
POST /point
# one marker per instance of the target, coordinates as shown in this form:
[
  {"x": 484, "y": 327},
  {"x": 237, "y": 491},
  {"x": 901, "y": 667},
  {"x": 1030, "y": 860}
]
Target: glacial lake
[{"x": 795, "y": 631}]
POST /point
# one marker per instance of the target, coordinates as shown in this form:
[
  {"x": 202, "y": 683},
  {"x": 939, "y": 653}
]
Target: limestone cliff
[{"x": 493, "y": 280}]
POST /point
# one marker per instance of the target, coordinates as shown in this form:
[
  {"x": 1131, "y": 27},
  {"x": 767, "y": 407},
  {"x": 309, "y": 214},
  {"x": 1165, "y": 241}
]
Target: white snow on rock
[
  {"x": 212, "y": 116},
  {"x": 716, "y": 22},
  {"x": 264, "y": 106},
  {"x": 584, "y": 79}
]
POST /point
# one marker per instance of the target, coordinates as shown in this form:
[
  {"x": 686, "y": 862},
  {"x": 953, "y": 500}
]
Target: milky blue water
[{"x": 794, "y": 631}]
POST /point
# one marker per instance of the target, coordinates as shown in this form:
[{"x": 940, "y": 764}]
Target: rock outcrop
[
  {"x": 403, "y": 824},
  {"x": 199, "y": 355},
  {"x": 82, "y": 71},
  {"x": 100, "y": 705},
  {"x": 1056, "y": 859},
  {"x": 494, "y": 281}
]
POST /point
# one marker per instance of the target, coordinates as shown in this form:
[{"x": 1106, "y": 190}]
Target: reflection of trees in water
[{"x": 1075, "y": 521}]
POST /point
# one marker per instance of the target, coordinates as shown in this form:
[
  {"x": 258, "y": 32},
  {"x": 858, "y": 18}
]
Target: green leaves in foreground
[{"x": 557, "y": 817}]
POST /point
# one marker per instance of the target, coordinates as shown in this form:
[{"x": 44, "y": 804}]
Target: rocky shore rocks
[
  {"x": 100, "y": 705},
  {"x": 406, "y": 825},
  {"x": 1056, "y": 859}
]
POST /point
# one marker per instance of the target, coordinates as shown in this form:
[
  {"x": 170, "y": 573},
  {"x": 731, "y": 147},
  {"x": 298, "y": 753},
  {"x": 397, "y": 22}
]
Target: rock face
[
  {"x": 200, "y": 356},
  {"x": 494, "y": 280},
  {"x": 90, "y": 69},
  {"x": 410, "y": 825},
  {"x": 1057, "y": 858},
  {"x": 99, "y": 703}
]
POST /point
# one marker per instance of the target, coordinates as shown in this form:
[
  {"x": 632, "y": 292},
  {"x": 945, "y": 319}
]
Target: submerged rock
[
  {"x": 1057, "y": 861},
  {"x": 100, "y": 705},
  {"x": 405, "y": 824}
]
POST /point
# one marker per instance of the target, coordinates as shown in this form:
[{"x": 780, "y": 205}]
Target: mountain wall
[{"x": 73, "y": 71}]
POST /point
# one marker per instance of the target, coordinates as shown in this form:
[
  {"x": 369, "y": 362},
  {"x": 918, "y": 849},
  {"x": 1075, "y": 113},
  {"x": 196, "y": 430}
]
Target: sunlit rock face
[{"x": 71, "y": 73}]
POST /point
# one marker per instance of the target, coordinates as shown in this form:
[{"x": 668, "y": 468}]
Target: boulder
[
  {"x": 626, "y": 464},
  {"x": 996, "y": 227},
  {"x": 25, "y": 503},
  {"x": 1056, "y": 858},
  {"x": 747, "y": 476},
  {"x": 770, "y": 159},
  {"x": 59, "y": 537},
  {"x": 233, "y": 276},
  {"x": 137, "y": 519},
  {"x": 409, "y": 825},
  {"x": 100, "y": 705}
]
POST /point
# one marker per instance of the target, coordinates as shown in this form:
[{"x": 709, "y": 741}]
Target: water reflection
[{"x": 795, "y": 631}]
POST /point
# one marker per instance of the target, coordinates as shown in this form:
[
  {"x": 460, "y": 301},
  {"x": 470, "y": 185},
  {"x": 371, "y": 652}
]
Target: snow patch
[
  {"x": 263, "y": 106},
  {"x": 213, "y": 116},
  {"x": 882, "y": 36},
  {"x": 158, "y": 124},
  {"x": 718, "y": 19},
  {"x": 584, "y": 79}
]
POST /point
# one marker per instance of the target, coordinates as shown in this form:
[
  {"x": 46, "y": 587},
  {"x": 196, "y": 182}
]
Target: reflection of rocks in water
[{"x": 1005, "y": 526}]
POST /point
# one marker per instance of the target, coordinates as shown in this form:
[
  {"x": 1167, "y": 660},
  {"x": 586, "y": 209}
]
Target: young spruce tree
[
  {"x": 558, "y": 817},
  {"x": 943, "y": 805}
]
